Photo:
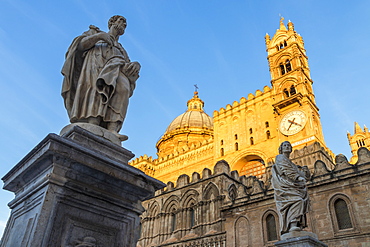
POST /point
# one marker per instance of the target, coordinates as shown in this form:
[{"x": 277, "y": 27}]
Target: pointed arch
[
  {"x": 151, "y": 226},
  {"x": 153, "y": 209},
  {"x": 189, "y": 197},
  {"x": 232, "y": 192},
  {"x": 170, "y": 203},
  {"x": 287, "y": 84},
  {"x": 211, "y": 191}
]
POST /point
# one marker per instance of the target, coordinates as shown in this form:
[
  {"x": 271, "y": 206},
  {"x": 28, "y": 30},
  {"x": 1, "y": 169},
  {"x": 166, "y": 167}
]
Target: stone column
[{"x": 76, "y": 190}]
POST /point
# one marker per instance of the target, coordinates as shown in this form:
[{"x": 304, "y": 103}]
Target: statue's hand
[
  {"x": 132, "y": 68},
  {"x": 301, "y": 179},
  {"x": 106, "y": 37}
]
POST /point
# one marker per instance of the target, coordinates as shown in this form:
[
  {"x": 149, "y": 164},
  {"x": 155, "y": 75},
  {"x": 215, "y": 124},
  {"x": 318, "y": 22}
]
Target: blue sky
[{"x": 218, "y": 45}]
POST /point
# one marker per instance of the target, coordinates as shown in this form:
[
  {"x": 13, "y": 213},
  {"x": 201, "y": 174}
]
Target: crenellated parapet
[
  {"x": 171, "y": 163},
  {"x": 144, "y": 163},
  {"x": 243, "y": 103}
]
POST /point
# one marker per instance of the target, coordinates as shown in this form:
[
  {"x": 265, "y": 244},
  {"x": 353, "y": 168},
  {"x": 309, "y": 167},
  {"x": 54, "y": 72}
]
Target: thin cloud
[{"x": 35, "y": 16}]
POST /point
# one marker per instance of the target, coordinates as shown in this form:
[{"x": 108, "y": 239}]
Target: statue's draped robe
[
  {"x": 291, "y": 196},
  {"x": 95, "y": 84}
]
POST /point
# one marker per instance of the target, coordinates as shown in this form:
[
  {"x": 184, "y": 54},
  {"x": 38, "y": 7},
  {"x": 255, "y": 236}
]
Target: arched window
[
  {"x": 292, "y": 90},
  {"x": 191, "y": 217},
  {"x": 342, "y": 214},
  {"x": 250, "y": 131},
  {"x": 267, "y": 124},
  {"x": 236, "y": 146},
  {"x": 272, "y": 234},
  {"x": 288, "y": 66},
  {"x": 360, "y": 143},
  {"x": 251, "y": 140},
  {"x": 286, "y": 92},
  {"x": 282, "y": 69},
  {"x": 173, "y": 220},
  {"x": 236, "y": 137},
  {"x": 285, "y": 67},
  {"x": 222, "y": 152},
  {"x": 222, "y": 142},
  {"x": 268, "y": 135}
]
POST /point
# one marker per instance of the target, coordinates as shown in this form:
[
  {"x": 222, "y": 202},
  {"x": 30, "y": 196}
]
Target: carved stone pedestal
[
  {"x": 76, "y": 190},
  {"x": 300, "y": 239}
]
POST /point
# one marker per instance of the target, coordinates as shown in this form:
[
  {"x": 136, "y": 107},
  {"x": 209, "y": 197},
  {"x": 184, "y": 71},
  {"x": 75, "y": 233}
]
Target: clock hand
[{"x": 291, "y": 122}]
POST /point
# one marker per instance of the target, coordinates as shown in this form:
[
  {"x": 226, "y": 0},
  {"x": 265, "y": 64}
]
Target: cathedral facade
[{"x": 218, "y": 169}]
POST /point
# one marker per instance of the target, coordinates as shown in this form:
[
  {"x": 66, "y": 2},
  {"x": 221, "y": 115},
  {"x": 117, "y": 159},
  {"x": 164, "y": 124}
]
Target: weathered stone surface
[
  {"x": 97, "y": 139},
  {"x": 296, "y": 234},
  {"x": 96, "y": 130},
  {"x": 67, "y": 194},
  {"x": 303, "y": 241}
]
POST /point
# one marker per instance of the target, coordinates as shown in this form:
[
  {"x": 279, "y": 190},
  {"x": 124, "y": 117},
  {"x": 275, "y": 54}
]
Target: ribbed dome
[
  {"x": 192, "y": 127},
  {"x": 194, "y": 117}
]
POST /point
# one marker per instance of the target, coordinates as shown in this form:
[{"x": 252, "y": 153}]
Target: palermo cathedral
[{"x": 218, "y": 169}]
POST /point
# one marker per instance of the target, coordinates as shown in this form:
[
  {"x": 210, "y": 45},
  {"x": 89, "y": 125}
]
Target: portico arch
[{"x": 250, "y": 164}]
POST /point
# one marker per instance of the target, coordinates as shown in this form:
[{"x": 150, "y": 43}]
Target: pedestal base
[
  {"x": 76, "y": 190},
  {"x": 300, "y": 239},
  {"x": 96, "y": 130}
]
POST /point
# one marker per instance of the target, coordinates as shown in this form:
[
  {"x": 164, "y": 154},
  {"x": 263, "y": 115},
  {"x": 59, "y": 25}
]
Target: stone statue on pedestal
[
  {"x": 99, "y": 77},
  {"x": 291, "y": 197}
]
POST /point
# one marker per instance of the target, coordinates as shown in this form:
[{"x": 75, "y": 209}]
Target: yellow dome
[
  {"x": 193, "y": 126},
  {"x": 190, "y": 120},
  {"x": 193, "y": 118}
]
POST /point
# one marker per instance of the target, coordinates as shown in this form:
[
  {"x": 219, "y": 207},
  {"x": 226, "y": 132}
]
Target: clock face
[{"x": 293, "y": 122}]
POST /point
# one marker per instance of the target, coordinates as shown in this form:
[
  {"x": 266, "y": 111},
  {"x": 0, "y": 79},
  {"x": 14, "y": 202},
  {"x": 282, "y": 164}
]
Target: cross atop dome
[{"x": 195, "y": 103}]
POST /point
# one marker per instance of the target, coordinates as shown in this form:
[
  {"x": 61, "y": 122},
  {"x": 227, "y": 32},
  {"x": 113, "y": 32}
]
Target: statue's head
[
  {"x": 119, "y": 22},
  {"x": 285, "y": 147}
]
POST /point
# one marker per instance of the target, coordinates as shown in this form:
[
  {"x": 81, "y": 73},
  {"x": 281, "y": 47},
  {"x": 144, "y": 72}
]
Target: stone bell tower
[
  {"x": 295, "y": 108},
  {"x": 360, "y": 138}
]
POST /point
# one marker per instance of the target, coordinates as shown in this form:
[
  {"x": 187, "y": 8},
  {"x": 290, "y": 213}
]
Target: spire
[
  {"x": 267, "y": 39},
  {"x": 290, "y": 26},
  {"x": 282, "y": 26},
  {"x": 195, "y": 104},
  {"x": 366, "y": 129},
  {"x": 357, "y": 128}
]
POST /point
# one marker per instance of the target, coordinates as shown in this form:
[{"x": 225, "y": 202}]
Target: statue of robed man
[
  {"x": 290, "y": 191},
  {"x": 99, "y": 78}
]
